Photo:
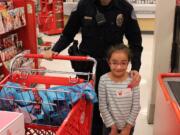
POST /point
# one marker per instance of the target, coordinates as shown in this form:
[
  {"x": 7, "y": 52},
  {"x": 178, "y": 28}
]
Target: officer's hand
[
  {"x": 136, "y": 78},
  {"x": 48, "y": 54}
]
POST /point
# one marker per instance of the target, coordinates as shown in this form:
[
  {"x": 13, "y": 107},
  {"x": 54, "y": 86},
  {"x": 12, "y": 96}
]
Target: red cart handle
[
  {"x": 66, "y": 57},
  {"x": 62, "y": 57}
]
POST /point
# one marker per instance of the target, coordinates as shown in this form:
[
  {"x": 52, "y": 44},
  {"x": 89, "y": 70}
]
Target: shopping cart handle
[{"x": 62, "y": 57}]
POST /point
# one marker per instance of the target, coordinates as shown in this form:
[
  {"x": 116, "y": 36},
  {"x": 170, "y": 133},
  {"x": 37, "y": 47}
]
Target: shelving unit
[
  {"x": 145, "y": 11},
  {"x": 142, "y": 1},
  {"x": 27, "y": 33},
  {"x": 51, "y": 17},
  {"x": 146, "y": 16}
]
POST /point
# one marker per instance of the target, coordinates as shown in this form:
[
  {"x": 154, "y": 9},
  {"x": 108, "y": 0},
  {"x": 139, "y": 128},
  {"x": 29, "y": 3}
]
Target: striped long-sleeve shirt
[{"x": 118, "y": 104}]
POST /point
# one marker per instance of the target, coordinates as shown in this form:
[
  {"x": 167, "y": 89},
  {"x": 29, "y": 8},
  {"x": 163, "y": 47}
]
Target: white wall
[{"x": 165, "y": 11}]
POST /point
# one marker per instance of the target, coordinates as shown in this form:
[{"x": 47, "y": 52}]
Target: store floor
[{"x": 142, "y": 128}]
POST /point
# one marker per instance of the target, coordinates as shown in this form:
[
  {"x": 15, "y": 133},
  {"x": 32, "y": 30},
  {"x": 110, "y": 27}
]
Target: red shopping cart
[{"x": 78, "y": 120}]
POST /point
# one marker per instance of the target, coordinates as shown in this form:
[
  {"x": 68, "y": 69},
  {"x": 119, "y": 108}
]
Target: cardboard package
[{"x": 11, "y": 123}]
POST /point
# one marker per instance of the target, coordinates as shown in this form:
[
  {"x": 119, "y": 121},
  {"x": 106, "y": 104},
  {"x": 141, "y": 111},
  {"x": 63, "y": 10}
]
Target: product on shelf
[
  {"x": 51, "y": 19},
  {"x": 7, "y": 41},
  {"x": 10, "y": 46},
  {"x": 11, "y": 15},
  {"x": 1, "y": 45},
  {"x": 12, "y": 19},
  {"x": 19, "y": 46},
  {"x": 22, "y": 16},
  {"x": 17, "y": 21},
  {"x": 8, "y": 23},
  {"x": 19, "y": 17},
  {"x": 2, "y": 29},
  {"x": 8, "y": 54},
  {"x": 6, "y": 4},
  {"x": 14, "y": 39}
]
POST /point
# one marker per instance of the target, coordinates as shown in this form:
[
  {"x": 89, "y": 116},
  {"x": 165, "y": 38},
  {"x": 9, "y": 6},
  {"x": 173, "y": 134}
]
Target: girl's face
[{"x": 118, "y": 63}]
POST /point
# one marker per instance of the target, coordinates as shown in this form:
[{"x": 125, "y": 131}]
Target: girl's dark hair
[{"x": 119, "y": 47}]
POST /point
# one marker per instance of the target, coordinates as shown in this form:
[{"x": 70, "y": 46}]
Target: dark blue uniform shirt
[{"x": 120, "y": 20}]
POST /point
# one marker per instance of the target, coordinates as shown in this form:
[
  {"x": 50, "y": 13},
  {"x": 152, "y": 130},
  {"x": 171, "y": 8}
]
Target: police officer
[{"x": 102, "y": 23}]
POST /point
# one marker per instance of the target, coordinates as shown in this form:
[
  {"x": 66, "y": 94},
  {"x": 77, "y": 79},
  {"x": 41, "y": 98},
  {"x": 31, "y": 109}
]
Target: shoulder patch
[
  {"x": 74, "y": 8},
  {"x": 133, "y": 15}
]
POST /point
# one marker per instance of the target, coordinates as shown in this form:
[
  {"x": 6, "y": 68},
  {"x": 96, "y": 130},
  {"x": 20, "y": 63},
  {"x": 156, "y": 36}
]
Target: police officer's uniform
[{"x": 99, "y": 34}]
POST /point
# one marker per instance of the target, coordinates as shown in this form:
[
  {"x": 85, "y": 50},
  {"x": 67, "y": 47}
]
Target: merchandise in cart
[{"x": 63, "y": 107}]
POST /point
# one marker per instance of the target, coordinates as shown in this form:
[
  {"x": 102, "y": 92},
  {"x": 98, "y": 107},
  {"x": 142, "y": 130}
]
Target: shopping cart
[{"x": 78, "y": 120}]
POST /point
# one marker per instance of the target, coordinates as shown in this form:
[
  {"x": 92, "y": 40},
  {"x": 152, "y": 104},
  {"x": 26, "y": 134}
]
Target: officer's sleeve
[
  {"x": 133, "y": 35},
  {"x": 71, "y": 29}
]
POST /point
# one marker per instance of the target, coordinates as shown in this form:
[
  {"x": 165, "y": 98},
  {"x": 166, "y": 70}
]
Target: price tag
[
  {"x": 124, "y": 92},
  {"x": 29, "y": 9}
]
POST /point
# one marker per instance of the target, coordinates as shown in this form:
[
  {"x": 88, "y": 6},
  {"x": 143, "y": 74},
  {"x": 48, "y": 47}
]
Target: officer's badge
[
  {"x": 88, "y": 18},
  {"x": 119, "y": 20}
]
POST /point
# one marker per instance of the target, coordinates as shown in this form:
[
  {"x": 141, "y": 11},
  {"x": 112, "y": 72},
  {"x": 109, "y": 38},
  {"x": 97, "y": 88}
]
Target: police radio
[{"x": 100, "y": 18}]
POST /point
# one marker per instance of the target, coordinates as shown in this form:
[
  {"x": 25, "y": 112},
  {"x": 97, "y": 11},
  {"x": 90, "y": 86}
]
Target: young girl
[{"x": 119, "y": 104}]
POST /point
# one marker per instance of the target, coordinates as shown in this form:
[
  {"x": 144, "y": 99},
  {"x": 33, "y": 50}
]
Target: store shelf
[
  {"x": 12, "y": 20},
  {"x": 145, "y": 10},
  {"x": 11, "y": 31},
  {"x": 142, "y": 1},
  {"x": 146, "y": 16},
  {"x": 51, "y": 19},
  {"x": 20, "y": 37}
]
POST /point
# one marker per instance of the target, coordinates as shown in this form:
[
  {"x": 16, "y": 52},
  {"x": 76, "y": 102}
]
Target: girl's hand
[
  {"x": 113, "y": 130},
  {"x": 136, "y": 78},
  {"x": 125, "y": 131}
]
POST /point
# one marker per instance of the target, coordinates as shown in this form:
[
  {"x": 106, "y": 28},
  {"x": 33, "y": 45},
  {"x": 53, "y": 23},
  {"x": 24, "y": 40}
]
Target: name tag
[
  {"x": 88, "y": 18},
  {"x": 124, "y": 92}
]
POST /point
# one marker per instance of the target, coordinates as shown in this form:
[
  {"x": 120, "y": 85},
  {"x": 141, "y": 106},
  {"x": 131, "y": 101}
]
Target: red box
[
  {"x": 167, "y": 111},
  {"x": 11, "y": 123}
]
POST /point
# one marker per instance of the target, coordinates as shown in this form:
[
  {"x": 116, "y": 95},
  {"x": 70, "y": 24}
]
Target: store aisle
[{"x": 142, "y": 128}]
